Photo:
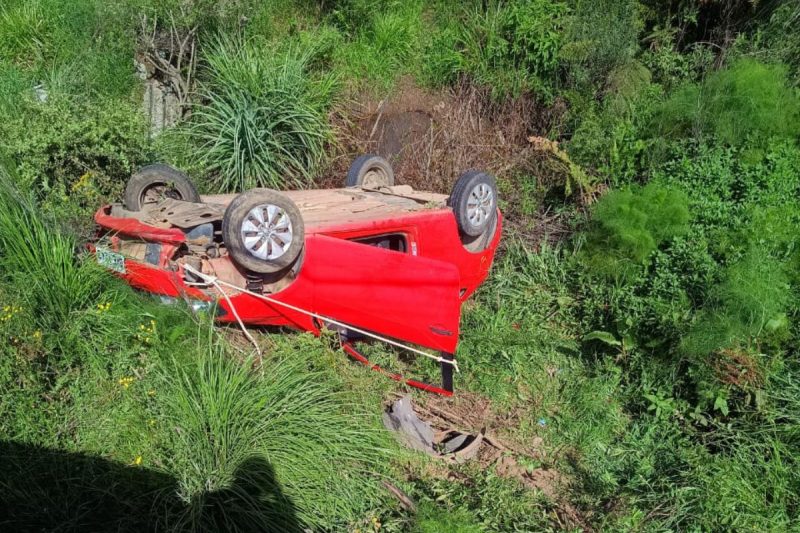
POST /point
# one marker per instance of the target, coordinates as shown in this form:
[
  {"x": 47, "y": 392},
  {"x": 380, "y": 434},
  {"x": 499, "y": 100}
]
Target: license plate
[{"x": 111, "y": 260}]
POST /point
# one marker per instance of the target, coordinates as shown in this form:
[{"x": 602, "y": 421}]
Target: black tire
[
  {"x": 370, "y": 171},
  {"x": 256, "y": 257},
  {"x": 474, "y": 202},
  {"x": 154, "y": 182}
]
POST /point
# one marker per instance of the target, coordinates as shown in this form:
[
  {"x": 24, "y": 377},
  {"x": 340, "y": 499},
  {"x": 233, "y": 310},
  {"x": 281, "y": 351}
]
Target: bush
[
  {"x": 629, "y": 224},
  {"x": 746, "y": 102},
  {"x": 263, "y": 121},
  {"x": 511, "y": 47},
  {"x": 600, "y": 36},
  {"x": 65, "y": 147},
  {"x": 750, "y": 301}
]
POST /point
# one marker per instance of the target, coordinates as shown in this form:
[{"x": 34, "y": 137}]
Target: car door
[{"x": 399, "y": 295}]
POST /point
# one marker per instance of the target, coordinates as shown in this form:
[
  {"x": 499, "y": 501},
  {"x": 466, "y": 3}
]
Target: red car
[{"x": 370, "y": 260}]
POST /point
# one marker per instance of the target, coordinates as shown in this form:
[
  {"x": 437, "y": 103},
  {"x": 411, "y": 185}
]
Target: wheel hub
[
  {"x": 267, "y": 232},
  {"x": 480, "y": 204}
]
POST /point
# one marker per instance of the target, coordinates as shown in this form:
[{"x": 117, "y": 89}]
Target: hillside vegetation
[{"x": 635, "y": 346}]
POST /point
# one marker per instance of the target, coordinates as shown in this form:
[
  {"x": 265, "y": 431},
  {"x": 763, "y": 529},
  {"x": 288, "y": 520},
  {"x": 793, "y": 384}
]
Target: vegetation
[
  {"x": 635, "y": 346},
  {"x": 262, "y": 122}
]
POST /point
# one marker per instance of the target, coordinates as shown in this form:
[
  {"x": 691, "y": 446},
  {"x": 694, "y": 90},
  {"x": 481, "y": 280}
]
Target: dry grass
[{"x": 433, "y": 137}]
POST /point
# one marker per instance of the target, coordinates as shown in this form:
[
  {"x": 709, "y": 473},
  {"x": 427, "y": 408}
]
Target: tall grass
[
  {"x": 39, "y": 259},
  {"x": 315, "y": 448},
  {"x": 384, "y": 42},
  {"x": 510, "y": 47},
  {"x": 263, "y": 122}
]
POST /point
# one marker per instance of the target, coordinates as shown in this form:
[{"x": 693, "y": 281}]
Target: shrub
[
  {"x": 511, "y": 47},
  {"x": 600, "y": 36},
  {"x": 748, "y": 101},
  {"x": 629, "y": 224},
  {"x": 750, "y": 301},
  {"x": 263, "y": 121},
  {"x": 56, "y": 143}
]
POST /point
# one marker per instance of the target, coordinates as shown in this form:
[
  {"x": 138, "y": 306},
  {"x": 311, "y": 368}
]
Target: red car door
[{"x": 396, "y": 294}]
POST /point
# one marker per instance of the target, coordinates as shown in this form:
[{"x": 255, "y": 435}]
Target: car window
[{"x": 390, "y": 241}]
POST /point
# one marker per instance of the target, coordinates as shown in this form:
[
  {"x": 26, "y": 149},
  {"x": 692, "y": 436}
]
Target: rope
[{"x": 216, "y": 282}]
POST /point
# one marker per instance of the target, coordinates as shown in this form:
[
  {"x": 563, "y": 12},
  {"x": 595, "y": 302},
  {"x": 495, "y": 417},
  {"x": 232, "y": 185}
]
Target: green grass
[{"x": 262, "y": 122}]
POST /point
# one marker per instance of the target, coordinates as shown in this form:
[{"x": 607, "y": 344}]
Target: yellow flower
[
  {"x": 126, "y": 381},
  {"x": 37, "y": 334},
  {"x": 82, "y": 182},
  {"x": 137, "y": 461}
]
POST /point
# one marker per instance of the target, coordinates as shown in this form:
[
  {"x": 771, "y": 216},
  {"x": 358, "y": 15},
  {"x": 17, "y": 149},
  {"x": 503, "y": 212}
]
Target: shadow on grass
[{"x": 51, "y": 490}]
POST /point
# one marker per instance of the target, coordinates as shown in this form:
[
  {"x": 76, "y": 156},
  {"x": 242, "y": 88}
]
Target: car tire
[
  {"x": 474, "y": 203},
  {"x": 153, "y": 183},
  {"x": 263, "y": 231},
  {"x": 371, "y": 172}
]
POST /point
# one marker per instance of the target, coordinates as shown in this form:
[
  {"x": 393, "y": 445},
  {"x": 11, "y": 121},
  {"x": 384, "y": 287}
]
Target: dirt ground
[{"x": 471, "y": 413}]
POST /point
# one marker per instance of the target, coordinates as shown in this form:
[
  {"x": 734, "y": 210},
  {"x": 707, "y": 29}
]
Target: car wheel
[
  {"x": 263, "y": 231},
  {"x": 474, "y": 202},
  {"x": 154, "y": 183},
  {"x": 371, "y": 172}
]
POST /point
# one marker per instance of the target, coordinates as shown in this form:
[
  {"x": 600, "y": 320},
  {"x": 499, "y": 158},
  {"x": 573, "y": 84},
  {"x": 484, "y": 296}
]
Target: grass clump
[
  {"x": 39, "y": 260},
  {"x": 263, "y": 122},
  {"x": 271, "y": 450}
]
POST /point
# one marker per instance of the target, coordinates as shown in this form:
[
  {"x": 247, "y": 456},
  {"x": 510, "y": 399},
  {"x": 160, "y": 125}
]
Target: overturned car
[{"x": 370, "y": 260}]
